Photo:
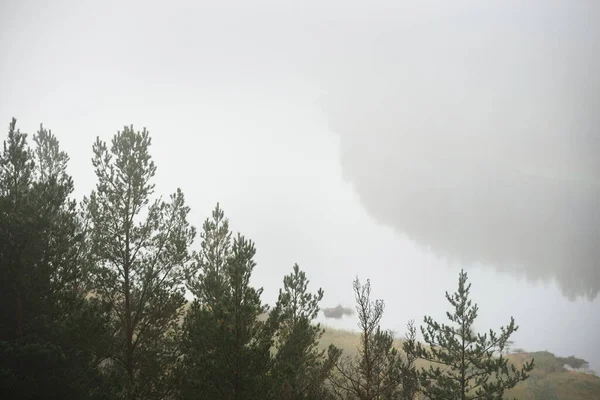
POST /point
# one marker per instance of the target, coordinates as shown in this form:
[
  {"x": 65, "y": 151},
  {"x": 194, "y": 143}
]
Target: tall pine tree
[
  {"x": 139, "y": 248},
  {"x": 465, "y": 365},
  {"x": 51, "y": 336},
  {"x": 226, "y": 345},
  {"x": 300, "y": 369}
]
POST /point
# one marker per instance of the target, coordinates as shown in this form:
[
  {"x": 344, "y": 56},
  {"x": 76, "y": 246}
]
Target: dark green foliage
[
  {"x": 299, "y": 368},
  {"x": 226, "y": 347},
  {"x": 548, "y": 362},
  {"x": 51, "y": 338},
  {"x": 573, "y": 362},
  {"x": 465, "y": 365},
  {"x": 138, "y": 248},
  {"x": 379, "y": 371}
]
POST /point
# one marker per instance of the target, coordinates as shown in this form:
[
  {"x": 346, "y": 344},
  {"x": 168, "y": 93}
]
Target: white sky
[{"x": 283, "y": 112}]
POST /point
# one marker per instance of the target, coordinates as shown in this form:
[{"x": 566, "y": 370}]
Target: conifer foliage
[
  {"x": 300, "y": 368},
  {"x": 465, "y": 365},
  {"x": 51, "y": 336},
  {"x": 139, "y": 249},
  {"x": 226, "y": 345}
]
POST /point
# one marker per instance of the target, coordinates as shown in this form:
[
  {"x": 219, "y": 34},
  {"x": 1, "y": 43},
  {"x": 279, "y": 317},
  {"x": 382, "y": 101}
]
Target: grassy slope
[{"x": 549, "y": 380}]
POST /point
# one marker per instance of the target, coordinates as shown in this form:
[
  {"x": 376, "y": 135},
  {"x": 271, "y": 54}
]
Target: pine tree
[
  {"x": 300, "y": 369},
  {"x": 466, "y": 365},
  {"x": 139, "y": 249},
  {"x": 51, "y": 336},
  {"x": 379, "y": 371},
  {"x": 207, "y": 277},
  {"x": 226, "y": 345}
]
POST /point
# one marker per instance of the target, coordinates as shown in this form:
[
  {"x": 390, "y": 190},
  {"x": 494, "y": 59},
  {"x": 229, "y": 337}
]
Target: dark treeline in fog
[{"x": 93, "y": 306}]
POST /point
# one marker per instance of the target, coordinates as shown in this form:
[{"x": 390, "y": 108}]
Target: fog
[
  {"x": 395, "y": 141},
  {"x": 480, "y": 140}
]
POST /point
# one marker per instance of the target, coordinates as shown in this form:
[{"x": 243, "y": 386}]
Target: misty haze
[{"x": 385, "y": 147}]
